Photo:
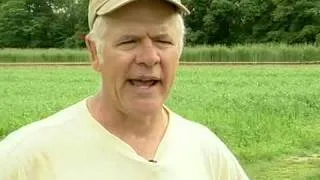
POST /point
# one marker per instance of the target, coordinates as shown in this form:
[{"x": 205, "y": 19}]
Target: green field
[
  {"x": 272, "y": 52},
  {"x": 268, "y": 115}
]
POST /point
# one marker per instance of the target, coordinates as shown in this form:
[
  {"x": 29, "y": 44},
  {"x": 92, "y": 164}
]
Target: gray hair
[{"x": 100, "y": 27}]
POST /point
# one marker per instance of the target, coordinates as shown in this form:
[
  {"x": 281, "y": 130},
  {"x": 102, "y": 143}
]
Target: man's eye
[
  {"x": 164, "y": 42},
  {"x": 127, "y": 42}
]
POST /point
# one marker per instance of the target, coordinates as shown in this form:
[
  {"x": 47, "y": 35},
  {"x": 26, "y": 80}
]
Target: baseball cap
[{"x": 102, "y": 7}]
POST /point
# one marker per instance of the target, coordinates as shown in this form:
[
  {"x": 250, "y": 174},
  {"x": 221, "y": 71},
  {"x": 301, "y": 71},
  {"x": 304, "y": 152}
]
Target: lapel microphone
[{"x": 153, "y": 161}]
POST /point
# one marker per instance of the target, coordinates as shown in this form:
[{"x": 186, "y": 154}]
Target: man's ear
[{"x": 91, "y": 46}]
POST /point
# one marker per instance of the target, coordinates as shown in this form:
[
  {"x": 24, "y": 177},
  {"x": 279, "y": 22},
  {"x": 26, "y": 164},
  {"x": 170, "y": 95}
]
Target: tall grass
[
  {"x": 43, "y": 55},
  {"x": 253, "y": 53},
  {"x": 218, "y": 53}
]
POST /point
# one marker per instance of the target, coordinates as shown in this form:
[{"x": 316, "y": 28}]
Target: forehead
[{"x": 140, "y": 27}]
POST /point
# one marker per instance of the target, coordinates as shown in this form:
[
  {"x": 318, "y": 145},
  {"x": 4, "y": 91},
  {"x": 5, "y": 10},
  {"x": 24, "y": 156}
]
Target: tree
[
  {"x": 63, "y": 23},
  {"x": 75, "y": 12},
  {"x": 247, "y": 21},
  {"x": 194, "y": 22},
  {"x": 14, "y": 22},
  {"x": 220, "y": 22},
  {"x": 295, "y": 21}
]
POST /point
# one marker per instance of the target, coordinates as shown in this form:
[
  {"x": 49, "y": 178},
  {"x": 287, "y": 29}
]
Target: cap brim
[
  {"x": 183, "y": 10},
  {"x": 114, "y": 5}
]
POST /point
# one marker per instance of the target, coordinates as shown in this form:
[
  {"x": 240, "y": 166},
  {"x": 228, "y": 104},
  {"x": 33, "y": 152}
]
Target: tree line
[{"x": 63, "y": 23}]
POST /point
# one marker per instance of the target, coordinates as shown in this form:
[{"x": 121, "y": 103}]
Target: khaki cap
[{"x": 102, "y": 7}]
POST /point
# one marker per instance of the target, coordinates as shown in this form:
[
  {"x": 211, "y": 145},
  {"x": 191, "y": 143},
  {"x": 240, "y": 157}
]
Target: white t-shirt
[{"x": 71, "y": 145}]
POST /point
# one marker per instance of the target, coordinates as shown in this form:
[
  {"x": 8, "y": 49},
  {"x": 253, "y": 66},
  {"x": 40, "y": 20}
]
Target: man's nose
[{"x": 148, "y": 54}]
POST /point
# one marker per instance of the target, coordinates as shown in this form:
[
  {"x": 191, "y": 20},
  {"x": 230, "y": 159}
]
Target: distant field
[
  {"x": 269, "y": 116},
  {"x": 219, "y": 53}
]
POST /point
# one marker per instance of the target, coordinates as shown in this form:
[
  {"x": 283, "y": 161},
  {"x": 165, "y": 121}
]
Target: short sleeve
[
  {"x": 22, "y": 161},
  {"x": 223, "y": 163},
  {"x": 11, "y": 162}
]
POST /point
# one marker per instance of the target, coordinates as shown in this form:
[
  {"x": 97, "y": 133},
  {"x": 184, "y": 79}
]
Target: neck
[{"x": 122, "y": 124}]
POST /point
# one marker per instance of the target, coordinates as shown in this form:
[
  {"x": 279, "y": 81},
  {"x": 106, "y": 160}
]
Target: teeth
[{"x": 142, "y": 83}]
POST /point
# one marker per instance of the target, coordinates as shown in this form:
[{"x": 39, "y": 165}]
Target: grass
[
  {"x": 43, "y": 55},
  {"x": 268, "y": 115},
  {"x": 285, "y": 169},
  {"x": 219, "y": 53}
]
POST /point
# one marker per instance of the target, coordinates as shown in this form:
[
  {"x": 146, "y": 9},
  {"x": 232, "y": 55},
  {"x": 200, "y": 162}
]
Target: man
[{"x": 124, "y": 132}]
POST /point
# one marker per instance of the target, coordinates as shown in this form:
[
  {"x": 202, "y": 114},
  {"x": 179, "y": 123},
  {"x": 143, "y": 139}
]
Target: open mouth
[{"x": 143, "y": 83}]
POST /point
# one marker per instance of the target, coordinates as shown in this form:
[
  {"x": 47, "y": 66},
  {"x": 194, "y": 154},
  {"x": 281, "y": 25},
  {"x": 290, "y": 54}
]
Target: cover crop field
[{"x": 268, "y": 115}]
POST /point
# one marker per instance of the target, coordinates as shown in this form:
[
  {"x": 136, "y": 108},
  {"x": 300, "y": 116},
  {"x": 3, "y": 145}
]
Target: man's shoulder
[
  {"x": 24, "y": 146},
  {"x": 191, "y": 127},
  {"x": 198, "y": 137},
  {"x": 43, "y": 129}
]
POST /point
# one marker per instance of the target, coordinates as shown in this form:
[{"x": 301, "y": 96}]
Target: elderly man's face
[{"x": 141, "y": 52}]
